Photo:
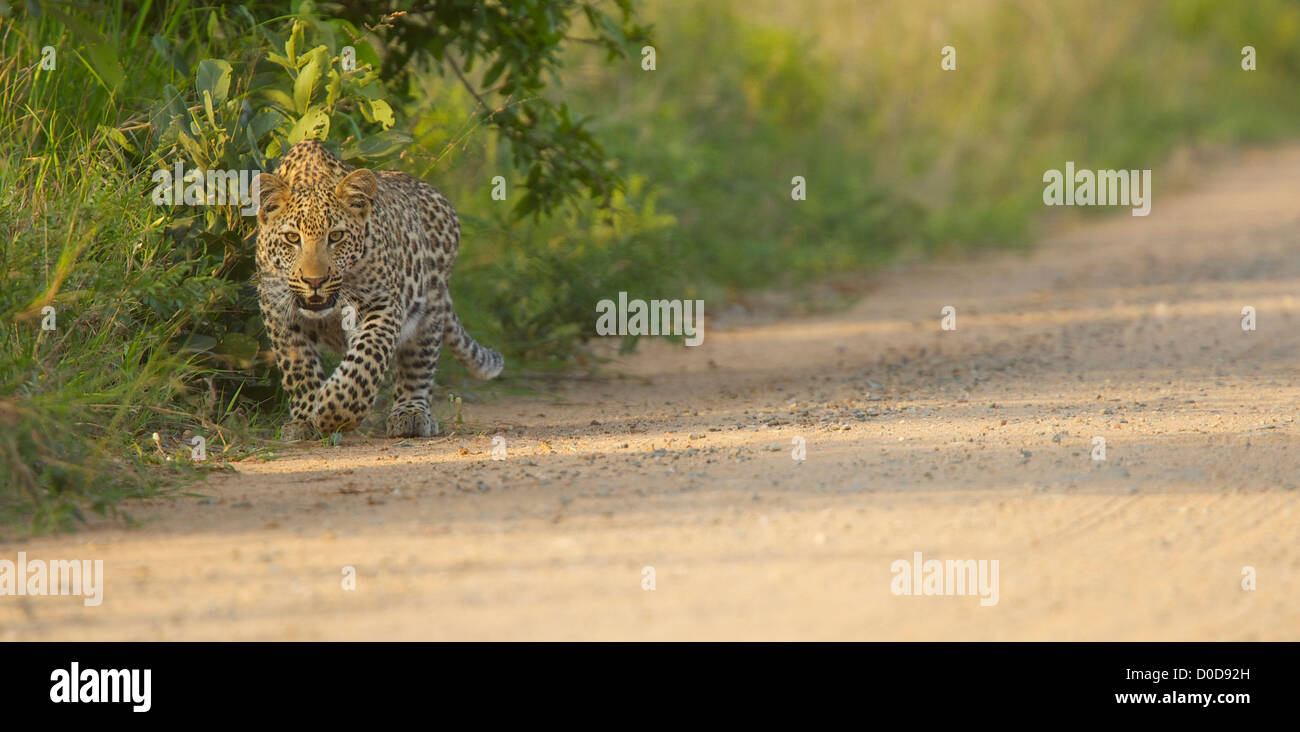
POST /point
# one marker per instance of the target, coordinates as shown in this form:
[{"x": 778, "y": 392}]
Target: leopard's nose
[{"x": 314, "y": 282}]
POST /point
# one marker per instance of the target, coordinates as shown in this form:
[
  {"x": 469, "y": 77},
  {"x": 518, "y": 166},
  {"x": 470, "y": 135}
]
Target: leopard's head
[{"x": 309, "y": 236}]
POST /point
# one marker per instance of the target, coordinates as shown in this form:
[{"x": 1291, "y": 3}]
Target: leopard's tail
[{"x": 481, "y": 361}]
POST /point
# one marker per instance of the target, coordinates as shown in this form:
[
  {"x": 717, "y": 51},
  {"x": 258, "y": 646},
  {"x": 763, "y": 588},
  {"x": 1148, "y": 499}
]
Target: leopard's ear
[
  {"x": 273, "y": 196},
  {"x": 357, "y": 191}
]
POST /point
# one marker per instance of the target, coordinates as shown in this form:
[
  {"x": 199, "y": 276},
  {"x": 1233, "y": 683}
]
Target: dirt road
[{"x": 976, "y": 443}]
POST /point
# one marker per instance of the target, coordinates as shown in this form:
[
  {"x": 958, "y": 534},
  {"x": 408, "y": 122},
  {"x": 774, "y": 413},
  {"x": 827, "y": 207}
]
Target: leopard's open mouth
[{"x": 317, "y": 302}]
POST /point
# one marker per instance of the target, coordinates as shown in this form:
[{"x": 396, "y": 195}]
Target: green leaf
[
  {"x": 332, "y": 88},
  {"x": 207, "y": 108},
  {"x": 214, "y": 25},
  {"x": 290, "y": 46},
  {"x": 174, "y": 100},
  {"x": 280, "y": 98},
  {"x": 116, "y": 136},
  {"x": 213, "y": 77},
  {"x": 382, "y": 113},
  {"x": 281, "y": 60},
  {"x": 494, "y": 73},
  {"x": 377, "y": 146},
  {"x": 314, "y": 124},
  {"x": 306, "y": 84},
  {"x": 263, "y": 122}
]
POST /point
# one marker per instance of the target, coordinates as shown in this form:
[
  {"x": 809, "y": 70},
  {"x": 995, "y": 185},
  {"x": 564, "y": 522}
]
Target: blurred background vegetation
[{"x": 666, "y": 183}]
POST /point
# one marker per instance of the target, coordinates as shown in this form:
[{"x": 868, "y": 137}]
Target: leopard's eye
[
  {"x": 292, "y": 237},
  {"x": 336, "y": 236}
]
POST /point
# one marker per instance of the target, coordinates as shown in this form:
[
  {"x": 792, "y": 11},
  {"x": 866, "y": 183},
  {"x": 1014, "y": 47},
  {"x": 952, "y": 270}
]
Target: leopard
[{"x": 358, "y": 262}]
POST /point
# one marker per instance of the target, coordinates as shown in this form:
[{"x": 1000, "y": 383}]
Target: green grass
[
  {"x": 83, "y": 251},
  {"x": 156, "y": 330}
]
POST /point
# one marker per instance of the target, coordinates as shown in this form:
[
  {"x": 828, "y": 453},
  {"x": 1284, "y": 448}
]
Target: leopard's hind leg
[{"x": 417, "y": 362}]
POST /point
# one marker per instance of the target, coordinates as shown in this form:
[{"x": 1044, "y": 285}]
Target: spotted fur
[{"x": 337, "y": 246}]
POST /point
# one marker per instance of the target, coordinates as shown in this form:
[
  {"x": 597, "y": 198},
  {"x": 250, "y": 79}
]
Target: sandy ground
[{"x": 970, "y": 444}]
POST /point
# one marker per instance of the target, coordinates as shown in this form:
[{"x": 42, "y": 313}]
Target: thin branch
[{"x": 456, "y": 68}]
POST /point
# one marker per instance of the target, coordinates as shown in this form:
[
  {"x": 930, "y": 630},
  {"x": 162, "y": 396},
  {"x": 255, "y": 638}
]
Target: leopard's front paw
[
  {"x": 298, "y": 429},
  {"x": 411, "y": 423}
]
